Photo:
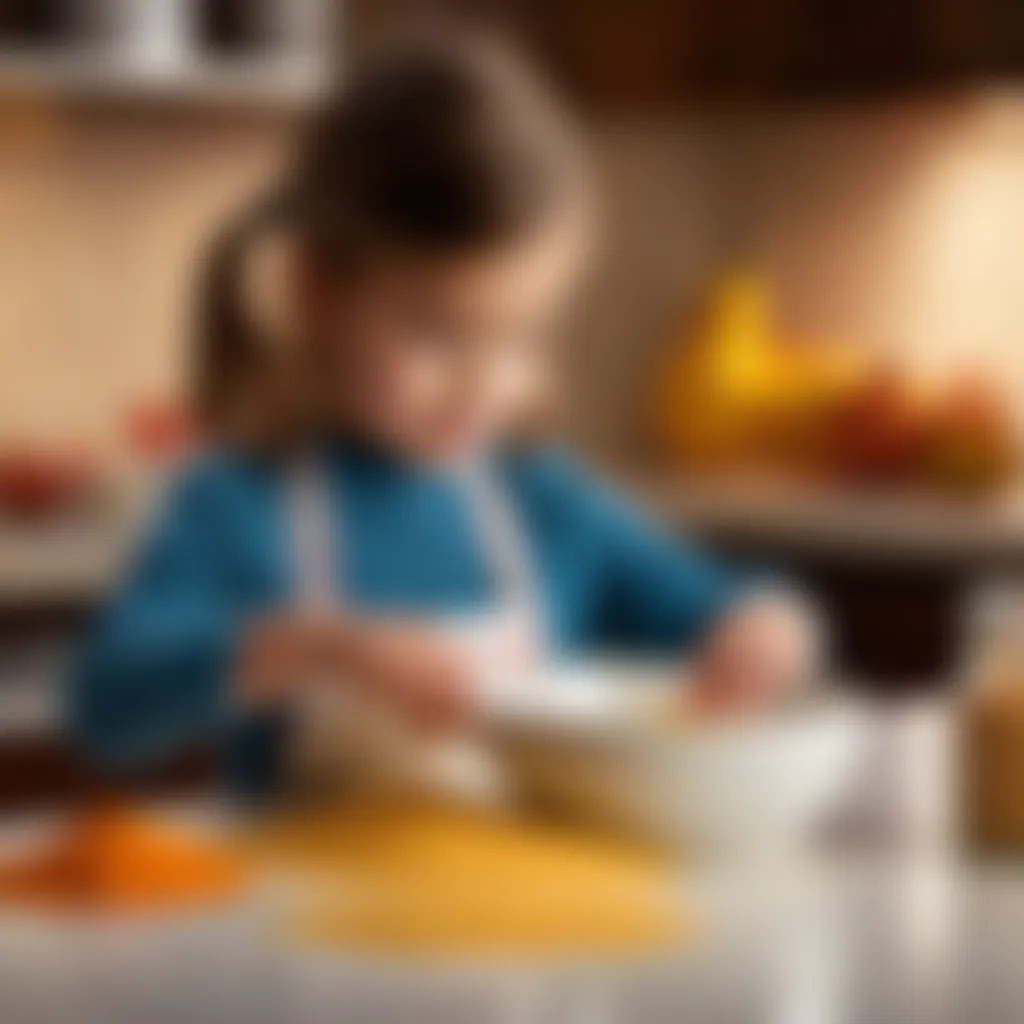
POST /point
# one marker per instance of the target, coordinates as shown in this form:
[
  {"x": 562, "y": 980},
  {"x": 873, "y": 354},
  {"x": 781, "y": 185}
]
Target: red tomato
[{"x": 36, "y": 483}]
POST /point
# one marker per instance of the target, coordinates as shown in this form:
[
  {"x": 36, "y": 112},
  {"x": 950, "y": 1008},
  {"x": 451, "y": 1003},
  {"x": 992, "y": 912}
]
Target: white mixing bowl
[{"x": 604, "y": 744}]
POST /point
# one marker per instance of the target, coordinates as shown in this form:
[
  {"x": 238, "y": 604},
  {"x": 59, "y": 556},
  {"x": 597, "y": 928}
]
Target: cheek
[
  {"x": 515, "y": 381},
  {"x": 384, "y": 372},
  {"x": 527, "y": 377},
  {"x": 414, "y": 380}
]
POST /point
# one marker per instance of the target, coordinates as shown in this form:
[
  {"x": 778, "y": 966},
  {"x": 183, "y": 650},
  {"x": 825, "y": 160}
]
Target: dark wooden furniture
[{"x": 655, "y": 53}]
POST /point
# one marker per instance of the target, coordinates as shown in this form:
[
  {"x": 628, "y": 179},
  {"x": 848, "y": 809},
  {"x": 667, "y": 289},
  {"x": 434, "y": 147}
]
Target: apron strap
[
  {"x": 314, "y": 542},
  {"x": 369, "y": 733},
  {"x": 317, "y": 546},
  {"x": 502, "y": 538}
]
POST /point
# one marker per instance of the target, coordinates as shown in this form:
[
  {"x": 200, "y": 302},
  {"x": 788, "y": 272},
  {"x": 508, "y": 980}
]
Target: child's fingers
[
  {"x": 417, "y": 670},
  {"x": 759, "y": 656},
  {"x": 443, "y": 705}
]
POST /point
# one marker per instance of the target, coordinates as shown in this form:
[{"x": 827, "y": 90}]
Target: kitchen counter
[
  {"x": 888, "y": 926},
  {"x": 896, "y": 943},
  {"x": 66, "y": 561}
]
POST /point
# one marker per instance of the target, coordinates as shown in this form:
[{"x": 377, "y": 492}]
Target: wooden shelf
[{"x": 845, "y": 526}]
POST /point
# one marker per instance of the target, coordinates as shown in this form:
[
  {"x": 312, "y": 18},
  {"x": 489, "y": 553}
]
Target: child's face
[{"x": 435, "y": 358}]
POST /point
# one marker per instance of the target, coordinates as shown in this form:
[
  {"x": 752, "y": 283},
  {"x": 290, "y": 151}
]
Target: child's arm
[
  {"x": 171, "y": 662},
  {"x": 656, "y": 593},
  {"x": 151, "y": 676}
]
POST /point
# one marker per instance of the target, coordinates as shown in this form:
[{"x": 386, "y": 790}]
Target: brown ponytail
[
  {"x": 438, "y": 146},
  {"x": 228, "y": 346}
]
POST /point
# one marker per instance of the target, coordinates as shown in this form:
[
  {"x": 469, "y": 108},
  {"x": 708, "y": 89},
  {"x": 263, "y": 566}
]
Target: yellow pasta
[{"x": 438, "y": 879}]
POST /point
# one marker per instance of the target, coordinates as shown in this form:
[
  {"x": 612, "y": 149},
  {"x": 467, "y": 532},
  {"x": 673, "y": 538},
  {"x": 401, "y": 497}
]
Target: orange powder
[{"x": 114, "y": 858}]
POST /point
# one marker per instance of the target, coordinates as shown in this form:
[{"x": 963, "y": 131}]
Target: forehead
[{"x": 521, "y": 276}]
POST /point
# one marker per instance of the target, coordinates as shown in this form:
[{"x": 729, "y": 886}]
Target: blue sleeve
[
  {"x": 659, "y": 591},
  {"x": 150, "y": 677},
  {"x": 655, "y": 592}
]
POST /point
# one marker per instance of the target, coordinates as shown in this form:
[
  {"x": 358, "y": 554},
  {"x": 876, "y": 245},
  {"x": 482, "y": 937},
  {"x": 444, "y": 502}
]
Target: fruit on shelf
[
  {"x": 713, "y": 385},
  {"x": 973, "y": 448},
  {"x": 735, "y": 395},
  {"x": 957, "y": 441},
  {"x": 37, "y": 483},
  {"x": 813, "y": 379},
  {"x": 879, "y": 434}
]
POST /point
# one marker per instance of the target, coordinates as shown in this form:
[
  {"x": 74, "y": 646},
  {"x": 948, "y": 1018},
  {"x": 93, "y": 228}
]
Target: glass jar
[{"x": 992, "y": 724}]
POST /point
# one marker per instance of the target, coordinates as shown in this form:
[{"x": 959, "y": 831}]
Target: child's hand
[
  {"x": 419, "y": 670},
  {"x": 759, "y": 655},
  {"x": 278, "y": 655}
]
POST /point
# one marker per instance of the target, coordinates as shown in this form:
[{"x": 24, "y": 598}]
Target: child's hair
[{"x": 439, "y": 146}]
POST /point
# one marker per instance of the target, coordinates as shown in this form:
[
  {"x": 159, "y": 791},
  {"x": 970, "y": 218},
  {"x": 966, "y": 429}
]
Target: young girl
[{"x": 428, "y": 232}]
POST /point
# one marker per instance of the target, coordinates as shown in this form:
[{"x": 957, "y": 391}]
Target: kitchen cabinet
[
  {"x": 264, "y": 56},
  {"x": 655, "y": 53},
  {"x": 664, "y": 49}
]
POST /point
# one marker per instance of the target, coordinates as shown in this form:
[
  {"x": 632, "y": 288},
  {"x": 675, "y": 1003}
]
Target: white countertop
[
  {"x": 867, "y": 943},
  {"x": 892, "y": 929}
]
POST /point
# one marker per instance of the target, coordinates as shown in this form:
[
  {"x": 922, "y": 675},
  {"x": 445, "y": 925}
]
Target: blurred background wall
[
  {"x": 893, "y": 225},
  {"x": 883, "y": 202},
  {"x": 103, "y": 212}
]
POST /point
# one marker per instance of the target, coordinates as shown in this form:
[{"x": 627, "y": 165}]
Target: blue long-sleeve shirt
[{"x": 154, "y": 674}]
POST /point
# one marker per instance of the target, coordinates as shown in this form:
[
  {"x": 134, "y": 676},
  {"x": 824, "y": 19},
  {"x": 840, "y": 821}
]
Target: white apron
[{"x": 341, "y": 734}]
